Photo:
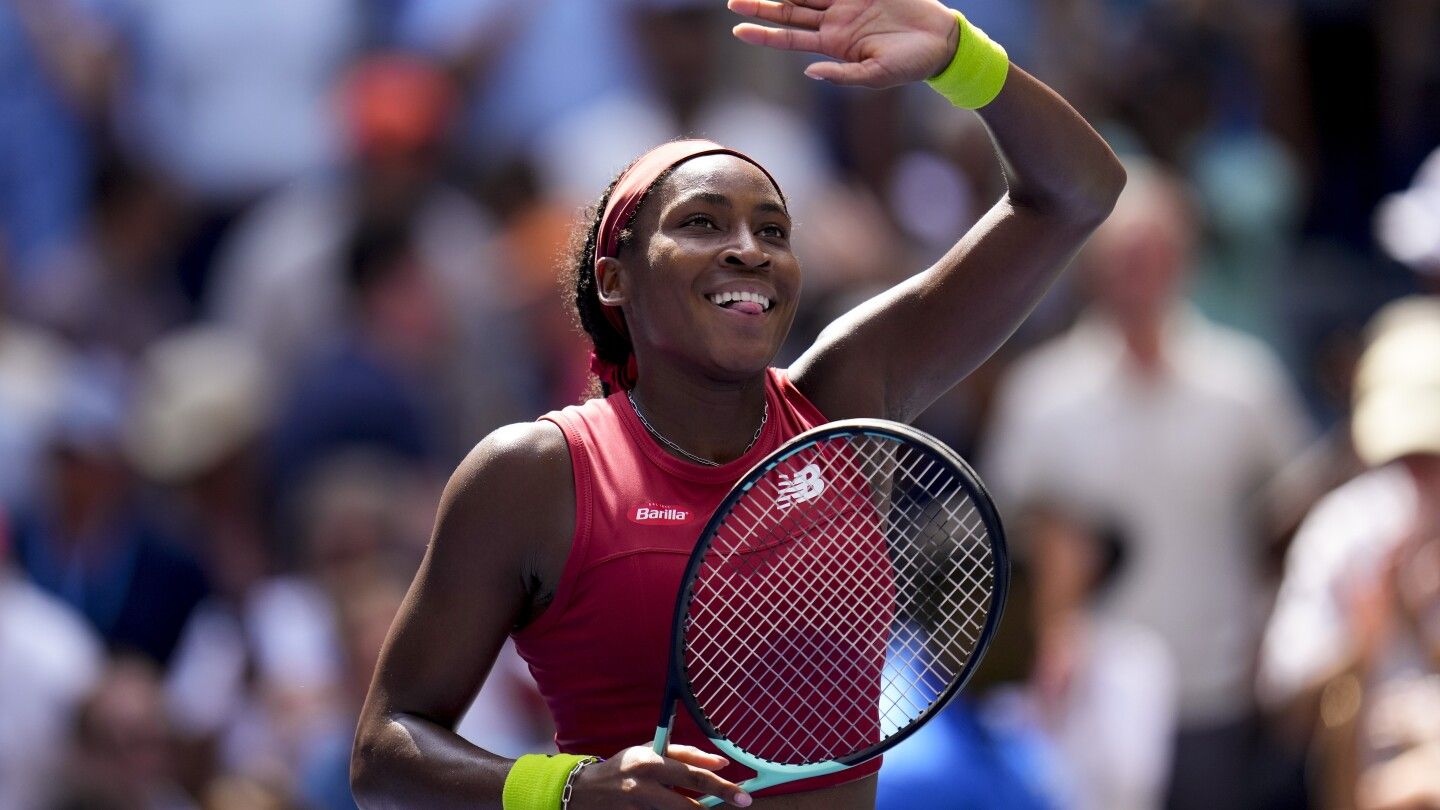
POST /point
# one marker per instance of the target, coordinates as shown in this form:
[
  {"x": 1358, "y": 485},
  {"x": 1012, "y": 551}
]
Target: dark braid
[{"x": 578, "y": 278}]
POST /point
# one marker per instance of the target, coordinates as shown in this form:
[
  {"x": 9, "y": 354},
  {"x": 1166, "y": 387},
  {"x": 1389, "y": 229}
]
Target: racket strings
[{"x": 839, "y": 599}]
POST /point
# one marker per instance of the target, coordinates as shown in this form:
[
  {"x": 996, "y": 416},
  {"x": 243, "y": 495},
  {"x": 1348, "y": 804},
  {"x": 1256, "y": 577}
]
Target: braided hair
[{"x": 581, "y": 286}]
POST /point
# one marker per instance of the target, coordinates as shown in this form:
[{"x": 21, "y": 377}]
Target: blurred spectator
[
  {"x": 281, "y": 276},
  {"x": 34, "y": 374},
  {"x": 230, "y": 99},
  {"x": 987, "y": 748},
  {"x": 1148, "y": 412},
  {"x": 113, "y": 287},
  {"x": 271, "y": 680},
  {"x": 535, "y": 231},
  {"x": 1104, "y": 687},
  {"x": 687, "y": 91},
  {"x": 89, "y": 540},
  {"x": 375, "y": 386},
  {"x": 1407, "y": 224},
  {"x": 1355, "y": 638},
  {"x": 124, "y": 753},
  {"x": 54, "y": 74},
  {"x": 202, "y": 404},
  {"x": 49, "y": 660},
  {"x": 961, "y": 760},
  {"x": 506, "y": 54}
]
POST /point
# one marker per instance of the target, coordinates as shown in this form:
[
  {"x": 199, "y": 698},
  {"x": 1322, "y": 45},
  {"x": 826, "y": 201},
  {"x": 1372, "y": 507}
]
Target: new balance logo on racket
[{"x": 805, "y": 485}]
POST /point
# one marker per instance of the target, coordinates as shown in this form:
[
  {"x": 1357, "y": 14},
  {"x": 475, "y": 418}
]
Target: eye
[
  {"x": 699, "y": 221},
  {"x": 773, "y": 232}
]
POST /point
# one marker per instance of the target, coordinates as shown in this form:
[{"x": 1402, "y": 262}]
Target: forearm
[
  {"x": 401, "y": 760},
  {"x": 1054, "y": 162}
]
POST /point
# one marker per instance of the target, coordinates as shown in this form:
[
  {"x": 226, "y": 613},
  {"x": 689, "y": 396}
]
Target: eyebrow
[{"x": 721, "y": 201}]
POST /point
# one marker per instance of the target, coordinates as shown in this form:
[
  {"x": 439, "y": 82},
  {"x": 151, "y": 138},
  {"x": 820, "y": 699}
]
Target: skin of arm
[
  {"x": 470, "y": 591},
  {"x": 501, "y": 538},
  {"x": 1062, "y": 182}
]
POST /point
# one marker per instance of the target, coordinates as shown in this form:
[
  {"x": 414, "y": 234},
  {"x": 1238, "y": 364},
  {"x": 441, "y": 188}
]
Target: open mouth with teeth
[{"x": 747, "y": 302}]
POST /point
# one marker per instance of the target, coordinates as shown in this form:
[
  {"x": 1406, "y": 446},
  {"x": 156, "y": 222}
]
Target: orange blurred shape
[{"x": 396, "y": 103}]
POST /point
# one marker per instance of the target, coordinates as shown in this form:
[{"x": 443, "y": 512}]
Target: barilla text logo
[{"x": 655, "y": 514}]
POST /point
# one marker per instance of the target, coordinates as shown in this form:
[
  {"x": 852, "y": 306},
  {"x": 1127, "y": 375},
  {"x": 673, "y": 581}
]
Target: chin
[{"x": 742, "y": 366}]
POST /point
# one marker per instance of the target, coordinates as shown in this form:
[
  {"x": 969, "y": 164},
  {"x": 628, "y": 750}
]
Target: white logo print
[{"x": 804, "y": 485}]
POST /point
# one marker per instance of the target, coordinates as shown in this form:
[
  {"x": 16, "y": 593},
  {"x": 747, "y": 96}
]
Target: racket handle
[
  {"x": 662, "y": 738},
  {"x": 760, "y": 781}
]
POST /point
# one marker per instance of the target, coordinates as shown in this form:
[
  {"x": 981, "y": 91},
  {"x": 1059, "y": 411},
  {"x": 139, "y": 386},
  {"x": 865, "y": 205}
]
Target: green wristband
[
  {"x": 537, "y": 781},
  {"x": 976, "y": 73}
]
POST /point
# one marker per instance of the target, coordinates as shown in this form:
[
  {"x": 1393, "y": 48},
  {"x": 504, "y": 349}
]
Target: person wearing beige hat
[{"x": 1354, "y": 641}]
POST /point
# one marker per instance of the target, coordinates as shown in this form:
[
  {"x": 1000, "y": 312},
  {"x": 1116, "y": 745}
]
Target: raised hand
[{"x": 879, "y": 43}]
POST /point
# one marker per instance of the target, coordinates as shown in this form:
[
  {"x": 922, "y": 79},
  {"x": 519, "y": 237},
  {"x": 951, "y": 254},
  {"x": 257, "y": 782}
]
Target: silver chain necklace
[{"x": 764, "y": 417}]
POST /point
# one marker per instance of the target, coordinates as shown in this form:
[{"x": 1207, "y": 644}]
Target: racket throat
[{"x": 662, "y": 731}]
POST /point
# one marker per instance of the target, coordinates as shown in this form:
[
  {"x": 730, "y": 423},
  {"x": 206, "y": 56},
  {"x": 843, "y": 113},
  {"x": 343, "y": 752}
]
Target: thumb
[{"x": 866, "y": 73}]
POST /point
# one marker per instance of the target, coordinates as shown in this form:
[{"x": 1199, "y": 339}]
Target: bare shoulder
[
  {"x": 515, "y": 460},
  {"x": 498, "y": 517},
  {"x": 513, "y": 500}
]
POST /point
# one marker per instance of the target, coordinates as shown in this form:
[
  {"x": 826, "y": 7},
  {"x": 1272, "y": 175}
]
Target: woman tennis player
[{"x": 571, "y": 533}]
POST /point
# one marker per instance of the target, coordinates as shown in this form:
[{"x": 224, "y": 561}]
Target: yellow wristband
[
  {"x": 976, "y": 73},
  {"x": 537, "y": 781}
]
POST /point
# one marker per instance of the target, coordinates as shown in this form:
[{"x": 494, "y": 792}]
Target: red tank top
[{"x": 599, "y": 651}]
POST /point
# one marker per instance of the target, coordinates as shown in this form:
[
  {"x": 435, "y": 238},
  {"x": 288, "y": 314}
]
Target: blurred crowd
[{"x": 268, "y": 269}]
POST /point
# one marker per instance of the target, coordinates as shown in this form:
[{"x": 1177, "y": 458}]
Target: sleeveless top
[{"x": 599, "y": 651}]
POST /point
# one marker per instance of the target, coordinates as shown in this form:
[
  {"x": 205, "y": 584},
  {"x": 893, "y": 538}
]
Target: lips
[{"x": 749, "y": 302}]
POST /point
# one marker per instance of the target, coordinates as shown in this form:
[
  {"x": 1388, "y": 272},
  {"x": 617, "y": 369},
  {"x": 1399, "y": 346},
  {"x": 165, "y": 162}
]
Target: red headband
[{"x": 629, "y": 190}]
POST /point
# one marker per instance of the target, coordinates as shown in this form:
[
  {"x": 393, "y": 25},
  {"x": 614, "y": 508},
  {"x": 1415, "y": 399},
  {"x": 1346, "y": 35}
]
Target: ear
[{"x": 610, "y": 281}]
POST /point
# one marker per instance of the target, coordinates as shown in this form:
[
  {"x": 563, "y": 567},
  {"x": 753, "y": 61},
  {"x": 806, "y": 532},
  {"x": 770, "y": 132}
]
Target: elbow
[
  {"x": 1104, "y": 190},
  {"x": 363, "y": 759},
  {"x": 1085, "y": 201}
]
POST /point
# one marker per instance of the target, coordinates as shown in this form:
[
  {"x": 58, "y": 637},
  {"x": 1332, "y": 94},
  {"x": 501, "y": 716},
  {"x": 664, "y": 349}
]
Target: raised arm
[{"x": 895, "y": 354}]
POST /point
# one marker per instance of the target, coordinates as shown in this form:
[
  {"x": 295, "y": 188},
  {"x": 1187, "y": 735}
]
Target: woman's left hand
[{"x": 880, "y": 43}]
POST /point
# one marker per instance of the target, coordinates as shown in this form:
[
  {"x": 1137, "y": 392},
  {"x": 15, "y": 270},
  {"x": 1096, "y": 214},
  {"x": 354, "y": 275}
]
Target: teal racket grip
[{"x": 768, "y": 774}]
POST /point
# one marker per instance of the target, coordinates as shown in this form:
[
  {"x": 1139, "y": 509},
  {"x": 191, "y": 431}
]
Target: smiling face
[{"x": 709, "y": 278}]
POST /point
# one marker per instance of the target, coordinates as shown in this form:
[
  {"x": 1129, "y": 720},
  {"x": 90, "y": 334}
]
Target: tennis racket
[{"x": 842, "y": 593}]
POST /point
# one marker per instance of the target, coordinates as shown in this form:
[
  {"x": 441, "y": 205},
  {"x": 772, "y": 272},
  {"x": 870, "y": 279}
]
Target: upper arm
[
  {"x": 895, "y": 354},
  {"x": 499, "y": 518}
]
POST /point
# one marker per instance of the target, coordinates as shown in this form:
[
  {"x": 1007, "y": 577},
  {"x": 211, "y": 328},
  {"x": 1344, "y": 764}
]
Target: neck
[
  {"x": 1144, "y": 339},
  {"x": 713, "y": 419}
]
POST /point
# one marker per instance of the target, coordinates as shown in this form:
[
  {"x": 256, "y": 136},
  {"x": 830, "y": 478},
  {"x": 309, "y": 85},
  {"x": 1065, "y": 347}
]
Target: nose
[{"x": 746, "y": 251}]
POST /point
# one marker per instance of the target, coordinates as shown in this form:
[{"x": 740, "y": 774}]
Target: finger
[
  {"x": 678, "y": 774},
  {"x": 785, "y": 39},
  {"x": 782, "y": 13},
  {"x": 655, "y": 797},
  {"x": 866, "y": 74},
  {"x": 694, "y": 756}
]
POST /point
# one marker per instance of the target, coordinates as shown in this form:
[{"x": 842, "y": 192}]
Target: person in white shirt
[
  {"x": 49, "y": 661},
  {"x": 1103, "y": 687},
  {"x": 1359, "y": 609},
  {"x": 1148, "y": 412}
]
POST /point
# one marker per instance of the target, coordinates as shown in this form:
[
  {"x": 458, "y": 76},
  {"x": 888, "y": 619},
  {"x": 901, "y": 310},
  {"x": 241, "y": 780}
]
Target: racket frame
[{"x": 677, "y": 687}]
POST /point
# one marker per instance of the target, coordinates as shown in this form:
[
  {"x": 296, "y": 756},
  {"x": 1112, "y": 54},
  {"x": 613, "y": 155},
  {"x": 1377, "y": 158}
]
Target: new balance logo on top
[
  {"x": 655, "y": 513},
  {"x": 804, "y": 485}
]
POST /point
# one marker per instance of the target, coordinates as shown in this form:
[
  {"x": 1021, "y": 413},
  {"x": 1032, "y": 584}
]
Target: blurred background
[{"x": 269, "y": 268}]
